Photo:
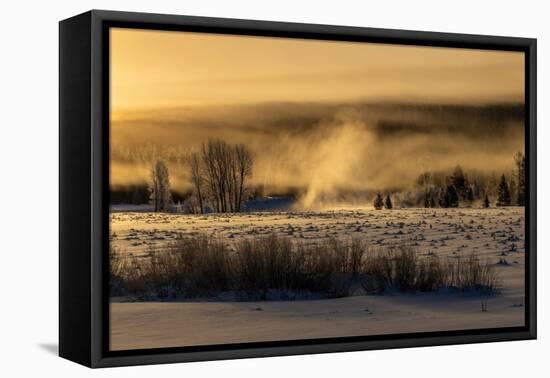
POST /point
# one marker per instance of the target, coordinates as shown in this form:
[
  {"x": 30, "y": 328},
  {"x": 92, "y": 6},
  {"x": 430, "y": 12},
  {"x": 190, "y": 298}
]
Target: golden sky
[{"x": 152, "y": 69}]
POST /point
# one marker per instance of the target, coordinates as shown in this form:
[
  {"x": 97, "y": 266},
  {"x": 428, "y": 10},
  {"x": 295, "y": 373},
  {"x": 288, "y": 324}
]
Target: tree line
[
  {"x": 220, "y": 175},
  {"x": 458, "y": 189}
]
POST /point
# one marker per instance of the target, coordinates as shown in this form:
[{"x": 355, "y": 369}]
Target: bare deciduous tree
[
  {"x": 196, "y": 176},
  {"x": 159, "y": 186},
  {"x": 219, "y": 174}
]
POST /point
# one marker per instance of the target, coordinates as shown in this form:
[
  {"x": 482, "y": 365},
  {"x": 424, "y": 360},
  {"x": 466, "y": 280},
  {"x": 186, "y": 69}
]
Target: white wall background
[{"x": 29, "y": 186}]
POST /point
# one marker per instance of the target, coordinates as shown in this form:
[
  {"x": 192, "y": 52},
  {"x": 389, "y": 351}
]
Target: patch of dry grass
[{"x": 206, "y": 267}]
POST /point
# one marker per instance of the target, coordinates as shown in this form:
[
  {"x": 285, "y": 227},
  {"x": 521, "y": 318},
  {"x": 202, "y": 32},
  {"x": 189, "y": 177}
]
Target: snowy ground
[
  {"x": 494, "y": 234},
  {"x": 155, "y": 325}
]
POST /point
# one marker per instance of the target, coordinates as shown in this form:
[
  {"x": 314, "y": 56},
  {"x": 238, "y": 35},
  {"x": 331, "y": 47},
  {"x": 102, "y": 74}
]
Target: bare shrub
[
  {"x": 357, "y": 252},
  {"x": 257, "y": 268},
  {"x": 377, "y": 271},
  {"x": 126, "y": 274},
  {"x": 265, "y": 263},
  {"x": 400, "y": 268},
  {"x": 431, "y": 275},
  {"x": 406, "y": 268},
  {"x": 473, "y": 274},
  {"x": 116, "y": 281},
  {"x": 275, "y": 263},
  {"x": 200, "y": 266}
]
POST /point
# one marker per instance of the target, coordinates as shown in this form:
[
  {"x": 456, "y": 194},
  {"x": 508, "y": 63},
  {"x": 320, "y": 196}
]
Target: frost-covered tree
[
  {"x": 476, "y": 189},
  {"x": 441, "y": 200},
  {"x": 159, "y": 186},
  {"x": 520, "y": 163},
  {"x": 243, "y": 168},
  {"x": 459, "y": 181},
  {"x": 470, "y": 194},
  {"x": 198, "y": 180},
  {"x": 486, "y": 202},
  {"x": 432, "y": 200},
  {"x": 387, "y": 202},
  {"x": 427, "y": 198},
  {"x": 503, "y": 193},
  {"x": 378, "y": 202},
  {"x": 513, "y": 191},
  {"x": 491, "y": 186}
]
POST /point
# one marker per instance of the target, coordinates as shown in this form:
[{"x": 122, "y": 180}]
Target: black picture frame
[{"x": 84, "y": 187}]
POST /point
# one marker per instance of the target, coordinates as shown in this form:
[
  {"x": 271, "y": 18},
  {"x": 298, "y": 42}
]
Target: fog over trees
[
  {"x": 459, "y": 189},
  {"x": 220, "y": 175},
  {"x": 312, "y": 138}
]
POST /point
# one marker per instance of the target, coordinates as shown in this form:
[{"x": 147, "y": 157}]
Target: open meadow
[{"x": 495, "y": 236}]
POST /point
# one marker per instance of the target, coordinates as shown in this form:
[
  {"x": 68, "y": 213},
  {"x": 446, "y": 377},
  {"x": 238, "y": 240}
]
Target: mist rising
[{"x": 323, "y": 150}]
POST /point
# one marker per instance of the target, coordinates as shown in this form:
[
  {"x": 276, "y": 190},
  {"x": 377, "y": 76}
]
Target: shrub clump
[
  {"x": 275, "y": 267},
  {"x": 400, "y": 268}
]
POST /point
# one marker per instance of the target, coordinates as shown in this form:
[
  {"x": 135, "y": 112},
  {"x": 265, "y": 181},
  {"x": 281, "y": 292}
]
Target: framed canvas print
[{"x": 233, "y": 188}]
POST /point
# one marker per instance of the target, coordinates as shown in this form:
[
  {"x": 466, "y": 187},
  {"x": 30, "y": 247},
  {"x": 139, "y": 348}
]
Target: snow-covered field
[{"x": 495, "y": 234}]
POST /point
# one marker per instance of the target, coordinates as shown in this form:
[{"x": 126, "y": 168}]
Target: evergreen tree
[
  {"x": 486, "y": 202},
  {"x": 451, "y": 196},
  {"x": 520, "y": 163},
  {"x": 387, "y": 203},
  {"x": 503, "y": 193},
  {"x": 378, "y": 202},
  {"x": 459, "y": 181}
]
